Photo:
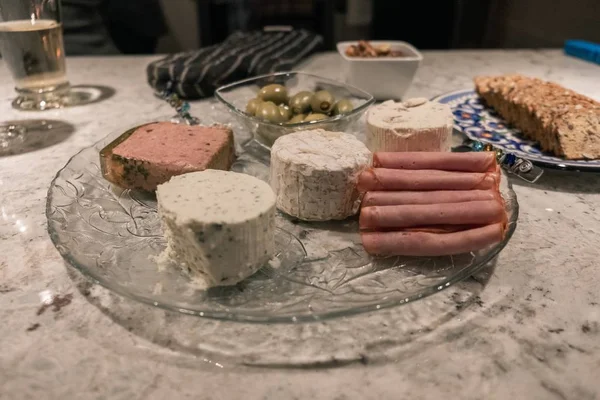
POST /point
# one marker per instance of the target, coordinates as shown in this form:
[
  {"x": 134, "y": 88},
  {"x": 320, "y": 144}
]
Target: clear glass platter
[{"x": 320, "y": 270}]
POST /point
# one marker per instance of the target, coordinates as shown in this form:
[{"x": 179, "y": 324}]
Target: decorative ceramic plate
[
  {"x": 479, "y": 122},
  {"x": 320, "y": 270}
]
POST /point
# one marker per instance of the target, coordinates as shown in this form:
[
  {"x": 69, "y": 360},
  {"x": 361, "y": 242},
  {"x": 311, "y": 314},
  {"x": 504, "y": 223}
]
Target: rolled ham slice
[
  {"x": 419, "y": 180},
  {"x": 431, "y": 244},
  {"x": 383, "y": 198},
  {"x": 405, "y": 216},
  {"x": 445, "y": 161},
  {"x": 431, "y": 228}
]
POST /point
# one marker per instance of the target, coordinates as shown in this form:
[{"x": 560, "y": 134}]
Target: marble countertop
[{"x": 526, "y": 327}]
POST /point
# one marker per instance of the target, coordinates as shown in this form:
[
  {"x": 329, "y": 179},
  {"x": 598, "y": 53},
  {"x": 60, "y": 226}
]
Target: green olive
[
  {"x": 268, "y": 111},
  {"x": 275, "y": 93},
  {"x": 252, "y": 106},
  {"x": 285, "y": 111},
  {"x": 343, "y": 106},
  {"x": 322, "y": 102},
  {"x": 315, "y": 117},
  {"x": 296, "y": 119},
  {"x": 300, "y": 102}
]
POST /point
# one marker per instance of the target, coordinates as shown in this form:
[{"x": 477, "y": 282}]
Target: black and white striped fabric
[{"x": 197, "y": 74}]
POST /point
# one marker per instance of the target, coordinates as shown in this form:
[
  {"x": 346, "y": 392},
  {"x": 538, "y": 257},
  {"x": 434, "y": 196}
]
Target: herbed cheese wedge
[
  {"x": 314, "y": 174},
  {"x": 219, "y": 225},
  {"x": 413, "y": 125}
]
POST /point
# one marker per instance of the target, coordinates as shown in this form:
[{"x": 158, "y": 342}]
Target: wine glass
[{"x": 31, "y": 44}]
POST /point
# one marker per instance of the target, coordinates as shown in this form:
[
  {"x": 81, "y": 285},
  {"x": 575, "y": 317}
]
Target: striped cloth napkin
[{"x": 197, "y": 74}]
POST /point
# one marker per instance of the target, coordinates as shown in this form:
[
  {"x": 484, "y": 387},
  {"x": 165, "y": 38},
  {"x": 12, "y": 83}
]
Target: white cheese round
[
  {"x": 219, "y": 225},
  {"x": 414, "y": 125},
  {"x": 314, "y": 174}
]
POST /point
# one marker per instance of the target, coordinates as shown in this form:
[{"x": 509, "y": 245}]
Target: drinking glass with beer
[{"x": 31, "y": 45}]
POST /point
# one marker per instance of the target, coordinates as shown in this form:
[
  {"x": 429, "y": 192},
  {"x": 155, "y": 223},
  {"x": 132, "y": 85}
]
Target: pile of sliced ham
[{"x": 431, "y": 203}]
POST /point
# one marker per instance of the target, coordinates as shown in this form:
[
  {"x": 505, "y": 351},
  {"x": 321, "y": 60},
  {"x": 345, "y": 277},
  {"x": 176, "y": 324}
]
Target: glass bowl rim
[{"x": 218, "y": 94}]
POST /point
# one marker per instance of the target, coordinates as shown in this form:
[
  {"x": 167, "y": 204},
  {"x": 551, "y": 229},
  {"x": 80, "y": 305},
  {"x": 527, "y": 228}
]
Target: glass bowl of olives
[{"x": 274, "y": 105}]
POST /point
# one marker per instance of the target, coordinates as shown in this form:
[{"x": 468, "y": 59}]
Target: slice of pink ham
[
  {"x": 430, "y": 228},
  {"x": 405, "y": 216},
  {"x": 445, "y": 161},
  {"x": 383, "y": 198},
  {"x": 426, "y": 179},
  {"x": 426, "y": 244}
]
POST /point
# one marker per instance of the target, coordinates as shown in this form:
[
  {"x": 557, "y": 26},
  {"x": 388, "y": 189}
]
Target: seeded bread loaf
[{"x": 564, "y": 122}]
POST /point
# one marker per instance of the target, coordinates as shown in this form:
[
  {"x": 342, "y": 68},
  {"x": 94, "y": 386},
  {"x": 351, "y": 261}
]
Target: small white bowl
[{"x": 384, "y": 78}]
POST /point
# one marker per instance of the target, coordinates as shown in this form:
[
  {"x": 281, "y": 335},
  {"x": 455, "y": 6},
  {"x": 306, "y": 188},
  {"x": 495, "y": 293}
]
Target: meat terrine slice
[{"x": 151, "y": 154}]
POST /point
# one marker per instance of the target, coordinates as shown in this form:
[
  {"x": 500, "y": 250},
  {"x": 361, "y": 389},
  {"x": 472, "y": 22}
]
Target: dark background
[
  {"x": 168, "y": 26},
  {"x": 428, "y": 24}
]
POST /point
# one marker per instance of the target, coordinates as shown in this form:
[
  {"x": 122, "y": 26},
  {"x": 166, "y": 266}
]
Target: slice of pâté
[{"x": 154, "y": 153}]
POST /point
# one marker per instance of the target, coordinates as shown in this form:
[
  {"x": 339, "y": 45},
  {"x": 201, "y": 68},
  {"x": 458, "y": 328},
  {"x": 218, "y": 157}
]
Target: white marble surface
[{"x": 526, "y": 328}]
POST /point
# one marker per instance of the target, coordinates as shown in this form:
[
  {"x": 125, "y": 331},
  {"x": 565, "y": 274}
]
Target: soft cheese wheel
[
  {"x": 413, "y": 125},
  {"x": 219, "y": 225},
  {"x": 314, "y": 174}
]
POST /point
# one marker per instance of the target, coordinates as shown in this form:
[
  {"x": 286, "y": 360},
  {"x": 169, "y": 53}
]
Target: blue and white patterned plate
[{"x": 483, "y": 124}]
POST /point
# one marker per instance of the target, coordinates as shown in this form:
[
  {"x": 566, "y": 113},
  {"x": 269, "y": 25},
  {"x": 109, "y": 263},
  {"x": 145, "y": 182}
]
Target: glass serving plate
[
  {"x": 235, "y": 96},
  {"x": 320, "y": 270}
]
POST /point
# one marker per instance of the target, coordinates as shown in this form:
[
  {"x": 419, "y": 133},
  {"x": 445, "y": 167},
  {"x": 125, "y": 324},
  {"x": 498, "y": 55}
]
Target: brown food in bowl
[{"x": 365, "y": 49}]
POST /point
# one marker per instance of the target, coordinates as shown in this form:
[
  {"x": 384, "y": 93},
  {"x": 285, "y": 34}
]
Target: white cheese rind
[
  {"x": 414, "y": 125},
  {"x": 314, "y": 174},
  {"x": 219, "y": 225}
]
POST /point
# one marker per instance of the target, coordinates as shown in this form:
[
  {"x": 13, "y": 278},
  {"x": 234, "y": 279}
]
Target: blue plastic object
[{"x": 585, "y": 50}]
